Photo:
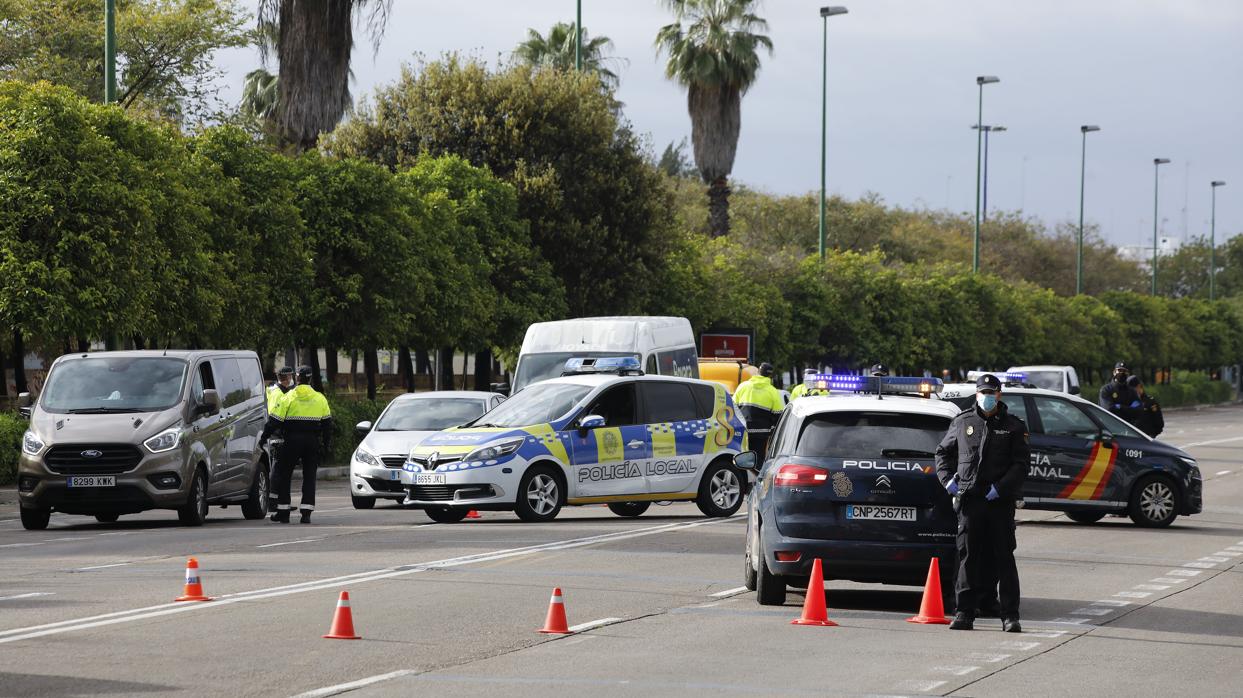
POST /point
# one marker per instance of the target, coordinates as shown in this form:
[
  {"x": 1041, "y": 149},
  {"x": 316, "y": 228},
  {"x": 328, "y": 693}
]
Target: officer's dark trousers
[
  {"x": 298, "y": 448},
  {"x": 759, "y": 444},
  {"x": 986, "y": 552}
]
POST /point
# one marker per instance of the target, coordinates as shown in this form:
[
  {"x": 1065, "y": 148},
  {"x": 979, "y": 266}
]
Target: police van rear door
[{"x": 864, "y": 475}]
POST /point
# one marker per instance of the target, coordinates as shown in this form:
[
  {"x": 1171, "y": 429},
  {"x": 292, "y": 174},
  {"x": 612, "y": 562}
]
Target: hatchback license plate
[
  {"x": 93, "y": 481},
  {"x": 429, "y": 479},
  {"x": 871, "y": 512}
]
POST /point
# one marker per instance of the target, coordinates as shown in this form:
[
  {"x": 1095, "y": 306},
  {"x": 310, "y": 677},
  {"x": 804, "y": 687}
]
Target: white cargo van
[
  {"x": 1063, "y": 379},
  {"x": 663, "y": 345}
]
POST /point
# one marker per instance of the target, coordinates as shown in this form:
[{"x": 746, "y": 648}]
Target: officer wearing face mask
[
  {"x": 983, "y": 460},
  {"x": 1116, "y": 395}
]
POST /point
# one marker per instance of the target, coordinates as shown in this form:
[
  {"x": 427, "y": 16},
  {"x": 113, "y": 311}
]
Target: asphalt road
[{"x": 1109, "y": 609}]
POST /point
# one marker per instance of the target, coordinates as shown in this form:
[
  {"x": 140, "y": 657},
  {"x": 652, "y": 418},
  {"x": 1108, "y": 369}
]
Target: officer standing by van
[
  {"x": 283, "y": 384},
  {"x": 303, "y": 419},
  {"x": 760, "y": 404},
  {"x": 983, "y": 460}
]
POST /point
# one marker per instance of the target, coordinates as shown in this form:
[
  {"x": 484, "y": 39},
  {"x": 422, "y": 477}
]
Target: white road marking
[
  {"x": 1228, "y": 553},
  {"x": 955, "y": 670},
  {"x": 1223, "y": 472},
  {"x": 986, "y": 657},
  {"x": 1151, "y": 587},
  {"x": 1052, "y": 634},
  {"x": 1092, "y": 611},
  {"x": 1111, "y": 602},
  {"x": 1210, "y": 443},
  {"x": 31, "y": 595},
  {"x": 592, "y": 624},
  {"x": 59, "y": 540},
  {"x": 102, "y": 567},
  {"x": 1020, "y": 646},
  {"x": 1134, "y": 594},
  {"x": 136, "y": 614},
  {"x": 1069, "y": 621},
  {"x": 18, "y": 545},
  {"x": 1168, "y": 580},
  {"x": 1210, "y": 558},
  {"x": 914, "y": 686},
  {"x": 288, "y": 542},
  {"x": 1201, "y": 565},
  {"x": 730, "y": 592},
  {"x": 1185, "y": 573},
  {"x": 346, "y": 687}
]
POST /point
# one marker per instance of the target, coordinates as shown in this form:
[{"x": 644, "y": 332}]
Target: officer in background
[
  {"x": 760, "y": 404},
  {"x": 304, "y": 421},
  {"x": 983, "y": 460},
  {"x": 1115, "y": 394},
  {"x": 283, "y": 384},
  {"x": 1144, "y": 412},
  {"x": 809, "y": 386}
]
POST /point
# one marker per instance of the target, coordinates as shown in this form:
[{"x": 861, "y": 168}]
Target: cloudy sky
[{"x": 1163, "y": 78}]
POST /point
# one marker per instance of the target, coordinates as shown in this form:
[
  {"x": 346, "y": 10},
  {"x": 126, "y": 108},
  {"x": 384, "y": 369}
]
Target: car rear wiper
[
  {"x": 106, "y": 410},
  {"x": 906, "y": 453}
]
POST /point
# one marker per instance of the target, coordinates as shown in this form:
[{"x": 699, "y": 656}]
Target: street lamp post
[
  {"x": 1083, "y": 170},
  {"x": 825, "y": 14},
  {"x": 979, "y": 146},
  {"x": 987, "y": 130},
  {"x": 578, "y": 38},
  {"x": 1212, "y": 243},
  {"x": 110, "y": 52},
  {"x": 1156, "y": 187}
]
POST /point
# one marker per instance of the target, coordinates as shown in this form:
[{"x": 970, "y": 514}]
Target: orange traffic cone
[
  {"x": 555, "y": 624},
  {"x": 194, "y": 585},
  {"x": 342, "y": 620},
  {"x": 931, "y": 609},
  {"x": 472, "y": 514},
  {"x": 814, "y": 612}
]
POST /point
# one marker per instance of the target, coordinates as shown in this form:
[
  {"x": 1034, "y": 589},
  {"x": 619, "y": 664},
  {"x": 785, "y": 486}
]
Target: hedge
[{"x": 11, "y": 429}]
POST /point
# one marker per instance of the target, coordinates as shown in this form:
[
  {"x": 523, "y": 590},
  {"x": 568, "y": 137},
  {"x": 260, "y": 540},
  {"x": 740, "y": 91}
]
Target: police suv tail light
[
  {"x": 495, "y": 451},
  {"x": 795, "y": 475}
]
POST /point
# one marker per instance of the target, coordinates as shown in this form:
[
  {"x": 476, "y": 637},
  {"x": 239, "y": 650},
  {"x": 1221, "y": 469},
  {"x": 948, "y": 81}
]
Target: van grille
[{"x": 113, "y": 458}]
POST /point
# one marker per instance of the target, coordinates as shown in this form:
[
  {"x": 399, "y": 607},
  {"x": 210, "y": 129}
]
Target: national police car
[
  {"x": 851, "y": 479},
  {"x": 602, "y": 433},
  {"x": 1087, "y": 462}
]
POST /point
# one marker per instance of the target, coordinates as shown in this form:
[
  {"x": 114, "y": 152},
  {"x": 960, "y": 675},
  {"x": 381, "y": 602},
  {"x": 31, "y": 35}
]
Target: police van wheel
[
  {"x": 1154, "y": 502},
  {"x": 194, "y": 511},
  {"x": 256, "y": 506},
  {"x": 445, "y": 514},
  {"x": 770, "y": 589},
  {"x": 1085, "y": 517},
  {"x": 540, "y": 495},
  {"x": 629, "y": 509},
  {"x": 720, "y": 491}
]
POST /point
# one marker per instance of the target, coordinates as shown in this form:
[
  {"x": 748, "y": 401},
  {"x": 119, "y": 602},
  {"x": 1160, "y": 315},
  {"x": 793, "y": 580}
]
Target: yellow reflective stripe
[
  {"x": 548, "y": 437},
  {"x": 664, "y": 440},
  {"x": 658, "y": 497}
]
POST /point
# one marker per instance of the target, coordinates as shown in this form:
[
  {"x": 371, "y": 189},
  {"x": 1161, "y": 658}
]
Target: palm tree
[
  {"x": 716, "y": 57},
  {"x": 313, "y": 45},
  {"x": 259, "y": 94},
  {"x": 557, "y": 51}
]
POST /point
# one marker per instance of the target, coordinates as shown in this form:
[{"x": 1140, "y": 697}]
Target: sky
[{"x": 1163, "y": 78}]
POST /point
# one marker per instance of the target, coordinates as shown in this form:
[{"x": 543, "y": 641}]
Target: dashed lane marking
[
  {"x": 1151, "y": 587},
  {"x": 1201, "y": 565},
  {"x": 289, "y": 542},
  {"x": 955, "y": 670},
  {"x": 1134, "y": 594},
  {"x": 31, "y": 595},
  {"x": 729, "y": 592},
  {"x": 354, "y": 685},
  {"x": 1211, "y": 558},
  {"x": 593, "y": 624},
  {"x": 1211, "y": 443},
  {"x": 915, "y": 686},
  {"x": 1019, "y": 645},
  {"x": 1167, "y": 580},
  {"x": 1101, "y": 611},
  {"x": 1111, "y": 602},
  {"x": 986, "y": 657},
  {"x": 1184, "y": 573},
  {"x": 103, "y": 567},
  {"x": 1222, "y": 472}
]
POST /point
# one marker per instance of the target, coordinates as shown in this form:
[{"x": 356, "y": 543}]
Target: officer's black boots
[
  {"x": 281, "y": 516},
  {"x": 963, "y": 621},
  {"x": 1011, "y": 625},
  {"x": 306, "y": 516}
]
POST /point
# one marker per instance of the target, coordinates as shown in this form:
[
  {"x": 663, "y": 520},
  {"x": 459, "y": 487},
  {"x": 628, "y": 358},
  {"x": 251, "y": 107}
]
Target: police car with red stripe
[{"x": 1088, "y": 462}]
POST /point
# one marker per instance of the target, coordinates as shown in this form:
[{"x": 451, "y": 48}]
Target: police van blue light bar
[
  {"x": 1003, "y": 376},
  {"x": 621, "y": 365},
  {"x": 885, "y": 384}
]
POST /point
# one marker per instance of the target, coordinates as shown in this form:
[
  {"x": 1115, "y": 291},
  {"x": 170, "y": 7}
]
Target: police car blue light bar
[
  {"x": 1003, "y": 376},
  {"x": 621, "y": 365},
  {"x": 885, "y": 384}
]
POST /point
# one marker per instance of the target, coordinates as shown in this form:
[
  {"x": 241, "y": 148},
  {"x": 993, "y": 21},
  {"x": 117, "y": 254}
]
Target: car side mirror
[
  {"x": 502, "y": 388},
  {"x": 210, "y": 403},
  {"x": 1107, "y": 439},
  {"x": 24, "y": 400},
  {"x": 747, "y": 460},
  {"x": 362, "y": 428},
  {"x": 1075, "y": 390},
  {"x": 591, "y": 421}
]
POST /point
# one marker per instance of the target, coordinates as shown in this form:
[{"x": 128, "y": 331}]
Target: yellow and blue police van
[{"x": 603, "y": 432}]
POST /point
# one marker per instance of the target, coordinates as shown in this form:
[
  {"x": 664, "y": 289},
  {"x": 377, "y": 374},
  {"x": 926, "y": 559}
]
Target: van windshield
[
  {"x": 114, "y": 384},
  {"x": 1049, "y": 380},
  {"x": 533, "y": 368}
]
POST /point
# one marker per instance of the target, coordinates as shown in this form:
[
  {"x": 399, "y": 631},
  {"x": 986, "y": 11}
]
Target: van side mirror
[
  {"x": 747, "y": 460},
  {"x": 591, "y": 421},
  {"x": 362, "y": 428},
  {"x": 24, "y": 400},
  {"x": 210, "y": 403}
]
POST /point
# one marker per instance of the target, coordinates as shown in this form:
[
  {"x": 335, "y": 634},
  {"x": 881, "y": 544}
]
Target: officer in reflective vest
[
  {"x": 283, "y": 384},
  {"x": 760, "y": 404},
  {"x": 303, "y": 420},
  {"x": 809, "y": 387}
]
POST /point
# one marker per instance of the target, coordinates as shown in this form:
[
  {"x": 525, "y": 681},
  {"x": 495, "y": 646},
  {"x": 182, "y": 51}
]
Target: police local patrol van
[{"x": 602, "y": 433}]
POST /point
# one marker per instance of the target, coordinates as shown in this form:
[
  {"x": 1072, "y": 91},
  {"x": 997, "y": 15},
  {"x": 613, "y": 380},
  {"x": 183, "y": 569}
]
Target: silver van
[{"x": 121, "y": 432}]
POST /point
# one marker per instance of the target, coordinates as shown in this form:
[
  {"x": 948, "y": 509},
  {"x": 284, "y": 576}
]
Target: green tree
[
  {"x": 259, "y": 94},
  {"x": 674, "y": 162},
  {"x": 1184, "y": 274},
  {"x": 556, "y": 50},
  {"x": 165, "y": 49},
  {"x": 713, "y": 48}
]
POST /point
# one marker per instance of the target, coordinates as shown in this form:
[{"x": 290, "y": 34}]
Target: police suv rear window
[{"x": 871, "y": 435}]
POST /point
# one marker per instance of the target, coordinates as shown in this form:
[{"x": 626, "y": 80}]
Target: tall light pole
[
  {"x": 987, "y": 130},
  {"x": 1212, "y": 242},
  {"x": 1156, "y": 187},
  {"x": 1083, "y": 170},
  {"x": 825, "y": 14},
  {"x": 578, "y": 38},
  {"x": 979, "y": 145},
  {"x": 110, "y": 52}
]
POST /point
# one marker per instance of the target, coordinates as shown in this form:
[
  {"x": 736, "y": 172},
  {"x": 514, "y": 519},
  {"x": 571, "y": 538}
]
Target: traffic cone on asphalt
[
  {"x": 342, "y": 620},
  {"x": 194, "y": 584},
  {"x": 555, "y": 624},
  {"x": 472, "y": 514},
  {"x": 814, "y": 612},
  {"x": 932, "y": 609}
]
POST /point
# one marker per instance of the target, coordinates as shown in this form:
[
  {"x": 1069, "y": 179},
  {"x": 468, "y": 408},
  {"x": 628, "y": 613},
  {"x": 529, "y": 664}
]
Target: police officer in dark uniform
[
  {"x": 1115, "y": 395},
  {"x": 983, "y": 461},
  {"x": 1144, "y": 412}
]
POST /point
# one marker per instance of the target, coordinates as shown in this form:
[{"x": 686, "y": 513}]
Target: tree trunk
[
  {"x": 445, "y": 364},
  {"x": 4, "y": 381},
  {"x": 313, "y": 357},
  {"x": 371, "y": 363},
  {"x": 330, "y": 359},
  {"x": 406, "y": 368},
  {"x": 19, "y": 363},
  {"x": 313, "y": 49},
  {"x": 483, "y": 370},
  {"x": 718, "y": 207},
  {"x": 354, "y": 371},
  {"x": 422, "y": 362}
]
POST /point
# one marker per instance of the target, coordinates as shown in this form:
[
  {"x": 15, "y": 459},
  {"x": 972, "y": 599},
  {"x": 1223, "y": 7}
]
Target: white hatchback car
[{"x": 375, "y": 468}]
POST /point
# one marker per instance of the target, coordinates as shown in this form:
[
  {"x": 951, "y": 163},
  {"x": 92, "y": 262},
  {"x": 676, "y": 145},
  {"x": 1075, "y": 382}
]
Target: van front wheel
[
  {"x": 194, "y": 511},
  {"x": 35, "y": 519}
]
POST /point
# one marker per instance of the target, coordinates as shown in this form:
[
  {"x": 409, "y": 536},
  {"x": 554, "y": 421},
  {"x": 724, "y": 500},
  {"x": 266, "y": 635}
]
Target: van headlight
[
  {"x": 495, "y": 451},
  {"x": 366, "y": 458},
  {"x": 32, "y": 445},
  {"x": 166, "y": 440}
]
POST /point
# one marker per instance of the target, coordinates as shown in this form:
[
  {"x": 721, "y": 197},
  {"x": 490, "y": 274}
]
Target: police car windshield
[
  {"x": 538, "y": 404},
  {"x": 871, "y": 435},
  {"x": 1049, "y": 380},
  {"x": 114, "y": 384},
  {"x": 1113, "y": 425},
  {"x": 534, "y": 368},
  {"x": 429, "y": 414}
]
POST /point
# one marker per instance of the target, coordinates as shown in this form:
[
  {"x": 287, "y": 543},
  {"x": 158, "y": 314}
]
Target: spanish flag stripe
[
  {"x": 1109, "y": 470},
  {"x": 1082, "y": 473}
]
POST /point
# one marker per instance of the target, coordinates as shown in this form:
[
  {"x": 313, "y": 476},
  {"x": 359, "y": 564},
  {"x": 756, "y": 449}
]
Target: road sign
[{"x": 726, "y": 345}]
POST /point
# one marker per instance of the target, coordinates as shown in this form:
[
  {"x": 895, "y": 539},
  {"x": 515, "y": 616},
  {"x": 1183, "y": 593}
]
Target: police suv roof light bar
[
  {"x": 881, "y": 385},
  {"x": 1013, "y": 378},
  {"x": 621, "y": 365}
]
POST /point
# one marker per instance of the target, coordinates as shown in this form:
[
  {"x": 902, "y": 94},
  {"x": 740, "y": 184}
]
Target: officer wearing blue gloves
[{"x": 983, "y": 461}]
